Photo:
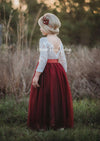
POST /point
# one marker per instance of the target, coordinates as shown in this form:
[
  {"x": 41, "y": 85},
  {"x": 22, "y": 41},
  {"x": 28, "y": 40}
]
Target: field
[
  {"x": 13, "y": 122},
  {"x": 19, "y": 54},
  {"x": 17, "y": 68}
]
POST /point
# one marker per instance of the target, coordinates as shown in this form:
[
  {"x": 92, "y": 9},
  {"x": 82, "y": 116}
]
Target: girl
[{"x": 50, "y": 103}]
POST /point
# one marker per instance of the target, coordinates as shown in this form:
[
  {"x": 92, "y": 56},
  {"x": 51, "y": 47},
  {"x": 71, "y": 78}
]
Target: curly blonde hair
[{"x": 53, "y": 26}]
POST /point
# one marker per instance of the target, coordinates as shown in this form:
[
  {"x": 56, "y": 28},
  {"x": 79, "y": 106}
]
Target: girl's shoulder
[
  {"x": 43, "y": 39},
  {"x": 42, "y": 42}
]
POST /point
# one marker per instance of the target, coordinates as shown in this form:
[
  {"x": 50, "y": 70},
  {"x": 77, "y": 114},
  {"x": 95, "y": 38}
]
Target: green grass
[{"x": 13, "y": 122}]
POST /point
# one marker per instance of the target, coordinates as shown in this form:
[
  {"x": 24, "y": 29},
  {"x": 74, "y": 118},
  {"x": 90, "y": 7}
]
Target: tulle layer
[{"x": 50, "y": 105}]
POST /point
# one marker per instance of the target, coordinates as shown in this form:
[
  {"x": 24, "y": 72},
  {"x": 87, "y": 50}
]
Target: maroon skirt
[{"x": 50, "y": 105}]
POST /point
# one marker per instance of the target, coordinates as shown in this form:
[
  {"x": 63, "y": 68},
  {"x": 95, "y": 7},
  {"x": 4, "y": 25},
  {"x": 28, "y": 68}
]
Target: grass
[{"x": 13, "y": 118}]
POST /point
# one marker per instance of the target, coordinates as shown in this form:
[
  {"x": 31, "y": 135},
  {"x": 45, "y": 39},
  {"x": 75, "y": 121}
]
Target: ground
[{"x": 13, "y": 118}]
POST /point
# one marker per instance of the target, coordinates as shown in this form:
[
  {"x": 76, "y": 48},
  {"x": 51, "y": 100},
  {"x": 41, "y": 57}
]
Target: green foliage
[
  {"x": 79, "y": 26},
  {"x": 6, "y": 11}
]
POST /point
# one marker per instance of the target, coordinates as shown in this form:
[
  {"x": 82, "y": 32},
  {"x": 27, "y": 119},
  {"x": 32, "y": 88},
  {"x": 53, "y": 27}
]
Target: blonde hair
[{"x": 53, "y": 26}]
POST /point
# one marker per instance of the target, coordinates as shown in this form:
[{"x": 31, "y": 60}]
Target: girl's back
[
  {"x": 51, "y": 47},
  {"x": 56, "y": 42}
]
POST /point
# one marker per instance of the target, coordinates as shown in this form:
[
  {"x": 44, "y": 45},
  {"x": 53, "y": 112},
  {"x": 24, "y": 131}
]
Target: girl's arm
[
  {"x": 42, "y": 62},
  {"x": 43, "y": 56},
  {"x": 37, "y": 74}
]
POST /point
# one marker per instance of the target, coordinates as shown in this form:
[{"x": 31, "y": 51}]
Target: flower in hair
[{"x": 45, "y": 20}]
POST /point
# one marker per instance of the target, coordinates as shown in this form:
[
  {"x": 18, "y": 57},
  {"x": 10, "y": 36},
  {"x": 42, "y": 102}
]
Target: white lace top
[{"x": 46, "y": 52}]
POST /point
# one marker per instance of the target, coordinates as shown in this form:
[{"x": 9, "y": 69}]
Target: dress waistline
[{"x": 52, "y": 61}]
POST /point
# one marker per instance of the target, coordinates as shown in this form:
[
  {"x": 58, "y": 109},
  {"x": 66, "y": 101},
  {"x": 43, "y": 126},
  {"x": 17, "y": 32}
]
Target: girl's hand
[{"x": 35, "y": 81}]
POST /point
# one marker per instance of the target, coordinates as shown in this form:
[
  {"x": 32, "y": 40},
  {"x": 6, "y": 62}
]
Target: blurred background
[
  {"x": 19, "y": 43},
  {"x": 80, "y": 21},
  {"x": 19, "y": 54}
]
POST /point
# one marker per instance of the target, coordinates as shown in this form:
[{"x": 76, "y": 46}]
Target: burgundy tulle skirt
[{"x": 50, "y": 105}]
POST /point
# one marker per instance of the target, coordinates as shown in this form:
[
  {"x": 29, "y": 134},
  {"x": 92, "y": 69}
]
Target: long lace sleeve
[
  {"x": 43, "y": 55},
  {"x": 62, "y": 58}
]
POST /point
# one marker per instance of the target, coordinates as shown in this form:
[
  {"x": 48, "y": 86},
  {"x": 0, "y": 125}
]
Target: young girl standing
[{"x": 50, "y": 102}]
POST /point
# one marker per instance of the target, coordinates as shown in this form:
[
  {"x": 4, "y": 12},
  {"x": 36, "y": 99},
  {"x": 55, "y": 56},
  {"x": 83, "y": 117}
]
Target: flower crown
[{"x": 45, "y": 20}]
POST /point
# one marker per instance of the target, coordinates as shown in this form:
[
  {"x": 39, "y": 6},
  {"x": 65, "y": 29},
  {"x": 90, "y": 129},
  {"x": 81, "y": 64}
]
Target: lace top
[{"x": 46, "y": 52}]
